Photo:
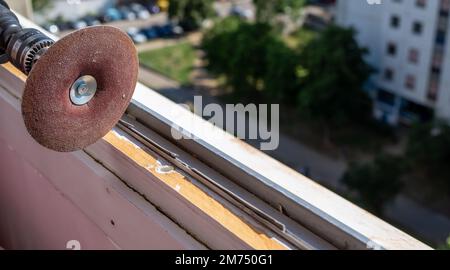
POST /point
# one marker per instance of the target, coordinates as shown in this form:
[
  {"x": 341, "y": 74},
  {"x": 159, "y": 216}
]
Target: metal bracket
[{"x": 264, "y": 218}]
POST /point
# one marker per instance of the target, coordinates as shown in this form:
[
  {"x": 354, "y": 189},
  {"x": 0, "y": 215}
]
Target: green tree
[
  {"x": 252, "y": 58},
  {"x": 267, "y": 10},
  {"x": 446, "y": 245},
  {"x": 374, "y": 184},
  {"x": 280, "y": 78},
  {"x": 238, "y": 53},
  {"x": 190, "y": 13},
  {"x": 41, "y": 5},
  {"x": 218, "y": 44},
  {"x": 332, "y": 73},
  {"x": 428, "y": 153}
]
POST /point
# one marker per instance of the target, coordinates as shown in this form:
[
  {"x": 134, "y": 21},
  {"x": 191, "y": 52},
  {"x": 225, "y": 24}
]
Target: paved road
[
  {"x": 223, "y": 7},
  {"x": 193, "y": 38},
  {"x": 428, "y": 225},
  {"x": 157, "y": 19}
]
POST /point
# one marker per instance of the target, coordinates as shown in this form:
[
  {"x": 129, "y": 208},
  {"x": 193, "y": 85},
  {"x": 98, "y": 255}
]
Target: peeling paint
[
  {"x": 235, "y": 224},
  {"x": 124, "y": 138},
  {"x": 164, "y": 169}
]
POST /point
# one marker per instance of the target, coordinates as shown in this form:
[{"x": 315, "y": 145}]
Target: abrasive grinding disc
[{"x": 52, "y": 116}]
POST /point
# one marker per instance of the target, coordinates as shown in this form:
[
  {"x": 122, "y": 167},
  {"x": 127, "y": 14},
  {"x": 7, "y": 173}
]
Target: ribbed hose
[
  {"x": 3, "y": 3},
  {"x": 22, "y": 47},
  {"x": 8, "y": 23}
]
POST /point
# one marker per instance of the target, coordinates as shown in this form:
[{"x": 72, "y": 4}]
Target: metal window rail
[{"x": 284, "y": 205}]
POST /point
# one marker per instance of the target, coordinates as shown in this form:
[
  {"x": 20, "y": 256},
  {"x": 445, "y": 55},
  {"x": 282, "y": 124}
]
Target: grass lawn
[
  {"x": 300, "y": 38},
  {"x": 175, "y": 61}
]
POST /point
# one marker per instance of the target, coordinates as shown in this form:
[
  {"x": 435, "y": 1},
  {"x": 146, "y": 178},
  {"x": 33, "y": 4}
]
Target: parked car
[
  {"x": 163, "y": 31},
  {"x": 132, "y": 31},
  {"x": 150, "y": 32},
  {"x": 152, "y": 7},
  {"x": 139, "y": 38},
  {"x": 170, "y": 30},
  {"x": 140, "y": 11},
  {"x": 63, "y": 26},
  {"x": 241, "y": 12},
  {"x": 52, "y": 28},
  {"x": 127, "y": 13},
  {"x": 136, "y": 35},
  {"x": 111, "y": 14},
  {"x": 177, "y": 30},
  {"x": 92, "y": 20},
  {"x": 79, "y": 24}
]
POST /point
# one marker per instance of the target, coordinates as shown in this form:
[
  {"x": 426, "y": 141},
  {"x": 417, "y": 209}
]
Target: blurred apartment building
[{"x": 409, "y": 47}]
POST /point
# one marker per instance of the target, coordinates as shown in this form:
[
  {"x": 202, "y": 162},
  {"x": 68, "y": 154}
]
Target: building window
[
  {"x": 413, "y": 56},
  {"x": 421, "y": 3},
  {"x": 442, "y": 24},
  {"x": 392, "y": 49},
  {"x": 437, "y": 60},
  {"x": 445, "y": 5},
  {"x": 445, "y": 8},
  {"x": 395, "y": 21},
  {"x": 433, "y": 88},
  {"x": 417, "y": 28},
  {"x": 440, "y": 37},
  {"x": 410, "y": 82},
  {"x": 385, "y": 97},
  {"x": 432, "y": 92},
  {"x": 388, "y": 74}
]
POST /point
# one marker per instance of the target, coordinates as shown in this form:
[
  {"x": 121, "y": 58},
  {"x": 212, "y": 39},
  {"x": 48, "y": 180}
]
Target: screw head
[{"x": 83, "y": 90}]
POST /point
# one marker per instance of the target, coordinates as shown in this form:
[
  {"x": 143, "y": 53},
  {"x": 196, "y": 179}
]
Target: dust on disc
[{"x": 103, "y": 52}]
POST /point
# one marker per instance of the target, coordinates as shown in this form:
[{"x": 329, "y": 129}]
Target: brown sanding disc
[{"x": 103, "y": 52}]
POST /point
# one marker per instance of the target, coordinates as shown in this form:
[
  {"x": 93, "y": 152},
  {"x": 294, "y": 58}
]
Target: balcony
[{"x": 138, "y": 188}]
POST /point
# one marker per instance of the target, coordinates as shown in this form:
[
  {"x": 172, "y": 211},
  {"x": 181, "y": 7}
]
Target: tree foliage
[
  {"x": 324, "y": 78},
  {"x": 375, "y": 184},
  {"x": 40, "y": 5},
  {"x": 252, "y": 58},
  {"x": 428, "y": 154},
  {"x": 447, "y": 244},
  {"x": 332, "y": 74},
  {"x": 190, "y": 13},
  {"x": 266, "y": 10},
  {"x": 322, "y": 75},
  {"x": 280, "y": 77}
]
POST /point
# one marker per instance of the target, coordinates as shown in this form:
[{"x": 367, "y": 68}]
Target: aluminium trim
[{"x": 235, "y": 198}]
